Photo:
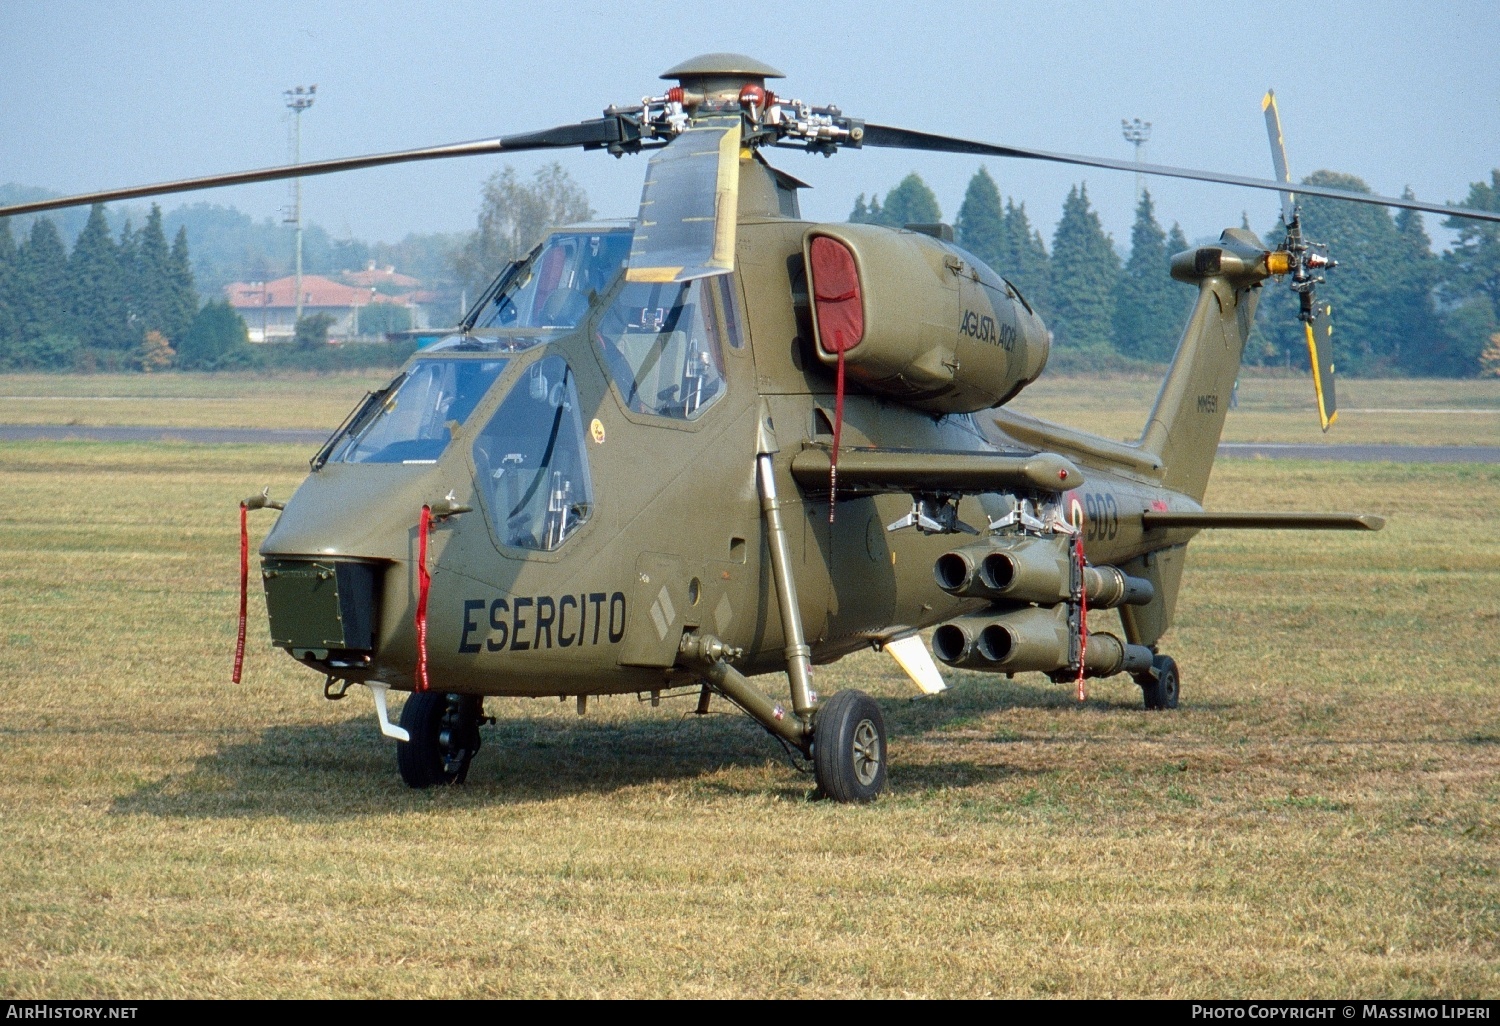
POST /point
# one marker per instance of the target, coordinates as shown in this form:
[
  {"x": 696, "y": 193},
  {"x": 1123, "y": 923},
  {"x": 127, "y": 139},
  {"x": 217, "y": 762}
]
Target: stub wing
[
  {"x": 889, "y": 471},
  {"x": 1264, "y": 521}
]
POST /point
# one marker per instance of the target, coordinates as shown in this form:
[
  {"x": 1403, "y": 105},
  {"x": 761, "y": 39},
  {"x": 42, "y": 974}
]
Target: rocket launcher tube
[
  {"x": 1033, "y": 570},
  {"x": 1031, "y": 639}
]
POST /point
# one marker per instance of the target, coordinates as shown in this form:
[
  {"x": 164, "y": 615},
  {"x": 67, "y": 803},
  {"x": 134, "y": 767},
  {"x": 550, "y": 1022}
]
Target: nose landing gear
[{"x": 444, "y": 733}]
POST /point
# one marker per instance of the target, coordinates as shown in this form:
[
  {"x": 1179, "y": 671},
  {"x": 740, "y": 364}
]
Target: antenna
[
  {"x": 297, "y": 101},
  {"x": 1137, "y": 132}
]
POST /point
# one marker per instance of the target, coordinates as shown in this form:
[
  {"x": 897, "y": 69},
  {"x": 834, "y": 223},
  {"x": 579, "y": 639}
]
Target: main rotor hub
[{"x": 720, "y": 77}]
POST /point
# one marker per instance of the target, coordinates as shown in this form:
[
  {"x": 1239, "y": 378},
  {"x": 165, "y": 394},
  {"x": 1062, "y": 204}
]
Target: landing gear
[
  {"x": 849, "y": 748},
  {"x": 444, "y": 737},
  {"x": 1160, "y": 684}
]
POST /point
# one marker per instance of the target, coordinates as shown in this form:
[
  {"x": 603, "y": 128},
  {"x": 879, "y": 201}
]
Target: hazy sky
[{"x": 102, "y": 94}]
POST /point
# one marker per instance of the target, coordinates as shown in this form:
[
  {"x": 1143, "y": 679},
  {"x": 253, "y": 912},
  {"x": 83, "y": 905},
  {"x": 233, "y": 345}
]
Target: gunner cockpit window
[
  {"x": 414, "y": 420},
  {"x": 530, "y": 462}
]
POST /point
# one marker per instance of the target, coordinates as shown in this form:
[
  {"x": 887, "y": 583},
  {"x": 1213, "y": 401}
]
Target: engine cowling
[{"x": 920, "y": 321}]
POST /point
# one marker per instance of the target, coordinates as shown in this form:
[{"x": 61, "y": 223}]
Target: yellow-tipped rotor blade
[{"x": 1319, "y": 333}]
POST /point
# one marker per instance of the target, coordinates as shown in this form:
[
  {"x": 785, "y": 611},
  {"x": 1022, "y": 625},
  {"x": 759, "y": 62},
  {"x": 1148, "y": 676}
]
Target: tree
[
  {"x": 1470, "y": 282},
  {"x": 1150, "y": 307},
  {"x": 1084, "y": 269},
  {"x": 1024, "y": 261},
  {"x": 152, "y": 292},
  {"x": 911, "y": 202},
  {"x": 1420, "y": 339},
  {"x": 513, "y": 217},
  {"x": 180, "y": 296},
  {"x": 382, "y": 318},
  {"x": 1489, "y": 360},
  {"x": 95, "y": 288},
  {"x": 312, "y": 331},
  {"x": 1363, "y": 239},
  {"x": 40, "y": 277},
  {"x": 156, "y": 354},
  {"x": 217, "y": 339},
  {"x": 861, "y": 213},
  {"x": 9, "y": 326},
  {"x": 980, "y": 226}
]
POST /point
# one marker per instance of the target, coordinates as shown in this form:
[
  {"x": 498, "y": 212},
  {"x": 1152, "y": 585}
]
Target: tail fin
[{"x": 1188, "y": 418}]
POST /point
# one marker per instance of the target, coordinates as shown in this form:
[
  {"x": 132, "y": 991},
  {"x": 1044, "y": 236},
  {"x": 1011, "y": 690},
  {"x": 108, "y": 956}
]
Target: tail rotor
[{"x": 1303, "y": 260}]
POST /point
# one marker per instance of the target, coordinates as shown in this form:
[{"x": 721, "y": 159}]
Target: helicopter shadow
[{"x": 316, "y": 772}]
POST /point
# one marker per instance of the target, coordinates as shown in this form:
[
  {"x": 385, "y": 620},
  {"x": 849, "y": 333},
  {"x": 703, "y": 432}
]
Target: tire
[
  {"x": 444, "y": 733},
  {"x": 1161, "y": 687},
  {"x": 849, "y": 749}
]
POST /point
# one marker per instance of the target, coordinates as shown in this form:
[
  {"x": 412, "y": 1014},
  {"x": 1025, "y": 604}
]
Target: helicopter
[{"x": 717, "y": 441}]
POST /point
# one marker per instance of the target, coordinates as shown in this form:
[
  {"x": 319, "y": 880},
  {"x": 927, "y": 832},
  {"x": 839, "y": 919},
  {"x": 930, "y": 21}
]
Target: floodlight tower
[
  {"x": 1137, "y": 132},
  {"x": 297, "y": 101}
]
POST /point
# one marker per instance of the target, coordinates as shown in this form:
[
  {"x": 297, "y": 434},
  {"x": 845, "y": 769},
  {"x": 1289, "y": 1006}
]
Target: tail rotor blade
[
  {"x": 1278, "y": 155},
  {"x": 1319, "y": 332}
]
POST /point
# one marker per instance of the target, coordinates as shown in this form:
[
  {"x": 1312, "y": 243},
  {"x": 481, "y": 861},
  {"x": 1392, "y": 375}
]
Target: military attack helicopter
[{"x": 717, "y": 442}]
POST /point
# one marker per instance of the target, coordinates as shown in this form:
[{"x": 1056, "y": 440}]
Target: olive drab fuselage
[{"x": 672, "y": 539}]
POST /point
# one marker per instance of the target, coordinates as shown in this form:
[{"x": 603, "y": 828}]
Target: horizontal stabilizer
[
  {"x": 1265, "y": 521},
  {"x": 885, "y": 471}
]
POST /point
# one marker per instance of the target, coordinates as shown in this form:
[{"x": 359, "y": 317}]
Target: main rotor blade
[
  {"x": 689, "y": 206},
  {"x": 599, "y": 132},
  {"x": 907, "y": 139},
  {"x": 1278, "y": 154}
]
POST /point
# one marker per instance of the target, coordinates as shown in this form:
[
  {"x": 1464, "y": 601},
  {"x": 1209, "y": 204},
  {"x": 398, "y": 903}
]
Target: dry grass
[
  {"x": 289, "y": 400},
  {"x": 1318, "y": 819},
  {"x": 1270, "y": 409},
  {"x": 1372, "y": 411}
]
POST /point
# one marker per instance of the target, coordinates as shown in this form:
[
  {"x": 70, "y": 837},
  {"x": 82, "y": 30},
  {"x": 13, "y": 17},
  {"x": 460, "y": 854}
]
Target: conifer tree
[
  {"x": 179, "y": 303},
  {"x": 1420, "y": 343},
  {"x": 1150, "y": 308},
  {"x": 8, "y": 267},
  {"x": 980, "y": 227},
  {"x": 39, "y": 282},
  {"x": 1470, "y": 277},
  {"x": 95, "y": 288},
  {"x": 1024, "y": 260},
  {"x": 861, "y": 213},
  {"x": 1084, "y": 270},
  {"x": 911, "y": 202},
  {"x": 154, "y": 278}
]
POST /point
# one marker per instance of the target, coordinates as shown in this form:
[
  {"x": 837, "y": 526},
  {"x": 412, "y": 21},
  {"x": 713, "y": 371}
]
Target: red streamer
[
  {"x": 838, "y": 430},
  {"x": 424, "y": 582},
  {"x": 1083, "y": 616},
  {"x": 239, "y": 645}
]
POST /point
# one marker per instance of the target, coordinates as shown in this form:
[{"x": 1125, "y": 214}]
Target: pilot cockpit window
[
  {"x": 557, "y": 283},
  {"x": 414, "y": 420},
  {"x": 530, "y": 462},
  {"x": 661, "y": 344}
]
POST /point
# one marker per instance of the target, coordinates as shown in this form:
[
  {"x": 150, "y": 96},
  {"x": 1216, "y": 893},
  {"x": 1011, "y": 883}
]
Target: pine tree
[
  {"x": 1420, "y": 344},
  {"x": 980, "y": 227},
  {"x": 1024, "y": 261},
  {"x": 153, "y": 280},
  {"x": 1470, "y": 276},
  {"x": 861, "y": 213},
  {"x": 1084, "y": 270},
  {"x": 1150, "y": 308},
  {"x": 95, "y": 290},
  {"x": 127, "y": 251},
  {"x": 911, "y": 202},
  {"x": 179, "y": 302},
  {"x": 1363, "y": 239},
  {"x": 9, "y": 327},
  {"x": 40, "y": 278}
]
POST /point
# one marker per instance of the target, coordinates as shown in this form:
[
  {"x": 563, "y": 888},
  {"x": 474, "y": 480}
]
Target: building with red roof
[{"x": 270, "y": 307}]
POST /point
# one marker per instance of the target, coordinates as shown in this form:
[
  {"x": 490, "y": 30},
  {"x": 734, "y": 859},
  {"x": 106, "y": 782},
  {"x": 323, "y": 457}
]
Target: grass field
[
  {"x": 1318, "y": 819},
  {"x": 1420, "y": 412}
]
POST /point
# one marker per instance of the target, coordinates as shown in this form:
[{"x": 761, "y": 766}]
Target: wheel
[
  {"x": 444, "y": 733},
  {"x": 849, "y": 747},
  {"x": 1160, "y": 687}
]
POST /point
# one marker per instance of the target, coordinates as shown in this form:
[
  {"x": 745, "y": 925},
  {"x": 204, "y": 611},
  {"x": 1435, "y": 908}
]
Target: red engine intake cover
[{"x": 841, "y": 308}]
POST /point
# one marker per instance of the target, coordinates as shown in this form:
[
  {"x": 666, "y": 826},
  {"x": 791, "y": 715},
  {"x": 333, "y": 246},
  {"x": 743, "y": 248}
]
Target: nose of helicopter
[{"x": 329, "y": 564}]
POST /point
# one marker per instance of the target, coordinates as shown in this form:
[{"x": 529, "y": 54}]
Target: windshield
[
  {"x": 556, "y": 285},
  {"x": 412, "y": 423}
]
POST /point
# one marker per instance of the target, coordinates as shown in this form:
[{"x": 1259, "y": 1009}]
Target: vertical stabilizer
[{"x": 1188, "y": 418}]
